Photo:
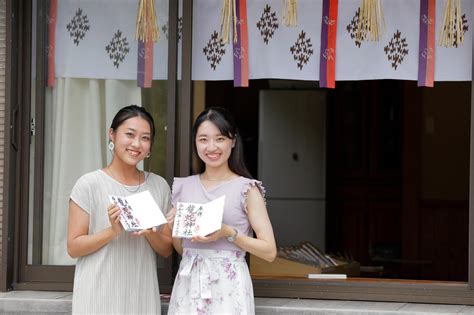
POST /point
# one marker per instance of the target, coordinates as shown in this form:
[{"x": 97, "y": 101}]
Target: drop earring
[
  {"x": 111, "y": 146},
  {"x": 148, "y": 155}
]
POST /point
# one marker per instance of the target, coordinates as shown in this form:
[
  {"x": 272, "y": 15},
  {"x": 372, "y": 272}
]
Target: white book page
[
  {"x": 194, "y": 219},
  {"x": 139, "y": 211},
  {"x": 211, "y": 219}
]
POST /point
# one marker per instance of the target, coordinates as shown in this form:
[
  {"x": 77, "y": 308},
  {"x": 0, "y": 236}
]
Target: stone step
[{"x": 42, "y": 302}]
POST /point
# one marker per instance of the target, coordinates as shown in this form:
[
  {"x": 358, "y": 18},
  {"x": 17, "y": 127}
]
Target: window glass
[{"x": 93, "y": 67}]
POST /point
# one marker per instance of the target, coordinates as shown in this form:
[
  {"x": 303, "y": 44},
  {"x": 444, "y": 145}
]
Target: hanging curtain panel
[
  {"x": 284, "y": 52},
  {"x": 96, "y": 39},
  {"x": 211, "y": 58},
  {"x": 454, "y": 63},
  {"x": 393, "y": 56},
  {"x": 275, "y": 50},
  {"x": 279, "y": 51}
]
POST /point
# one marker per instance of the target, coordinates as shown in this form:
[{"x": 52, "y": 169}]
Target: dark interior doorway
[{"x": 397, "y": 173}]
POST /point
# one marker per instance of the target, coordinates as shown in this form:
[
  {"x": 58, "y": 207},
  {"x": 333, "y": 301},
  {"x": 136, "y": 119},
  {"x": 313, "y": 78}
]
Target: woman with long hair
[{"x": 213, "y": 277}]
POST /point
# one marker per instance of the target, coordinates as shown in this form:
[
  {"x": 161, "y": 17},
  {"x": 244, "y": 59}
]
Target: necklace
[
  {"x": 206, "y": 177},
  {"x": 109, "y": 170}
]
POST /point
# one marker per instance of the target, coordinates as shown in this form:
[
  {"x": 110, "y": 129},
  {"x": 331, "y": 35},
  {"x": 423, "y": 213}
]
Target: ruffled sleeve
[
  {"x": 246, "y": 187},
  {"x": 176, "y": 190}
]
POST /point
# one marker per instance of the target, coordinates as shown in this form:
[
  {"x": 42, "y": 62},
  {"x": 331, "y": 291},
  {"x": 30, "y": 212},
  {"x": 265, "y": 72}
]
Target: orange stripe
[
  {"x": 332, "y": 36},
  {"x": 431, "y": 43},
  {"x": 53, "y": 13},
  {"x": 148, "y": 64}
]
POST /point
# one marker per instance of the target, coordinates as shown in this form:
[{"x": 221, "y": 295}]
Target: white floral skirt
[{"x": 212, "y": 282}]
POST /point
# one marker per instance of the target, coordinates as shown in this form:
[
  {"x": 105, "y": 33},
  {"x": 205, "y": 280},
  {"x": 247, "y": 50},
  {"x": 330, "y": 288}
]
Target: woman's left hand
[
  {"x": 145, "y": 232},
  {"x": 224, "y": 231}
]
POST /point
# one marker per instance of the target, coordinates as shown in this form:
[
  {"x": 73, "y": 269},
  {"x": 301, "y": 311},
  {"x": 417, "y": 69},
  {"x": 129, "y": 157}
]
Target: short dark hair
[
  {"x": 131, "y": 111},
  {"x": 224, "y": 121}
]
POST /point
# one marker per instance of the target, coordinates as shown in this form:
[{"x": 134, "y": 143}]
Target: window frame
[{"x": 24, "y": 276}]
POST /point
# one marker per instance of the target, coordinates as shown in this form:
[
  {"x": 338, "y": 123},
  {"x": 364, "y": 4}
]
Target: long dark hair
[
  {"x": 224, "y": 121},
  {"x": 131, "y": 111}
]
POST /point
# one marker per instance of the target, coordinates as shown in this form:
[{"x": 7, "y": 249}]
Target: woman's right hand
[{"x": 114, "y": 217}]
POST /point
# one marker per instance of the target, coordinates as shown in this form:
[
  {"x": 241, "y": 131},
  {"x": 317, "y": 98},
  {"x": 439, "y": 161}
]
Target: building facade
[{"x": 376, "y": 152}]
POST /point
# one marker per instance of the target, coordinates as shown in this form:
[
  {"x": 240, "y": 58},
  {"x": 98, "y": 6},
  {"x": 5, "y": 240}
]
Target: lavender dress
[{"x": 214, "y": 278}]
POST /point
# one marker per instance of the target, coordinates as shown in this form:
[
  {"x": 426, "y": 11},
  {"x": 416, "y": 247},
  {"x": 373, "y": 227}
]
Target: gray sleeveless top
[{"x": 121, "y": 277}]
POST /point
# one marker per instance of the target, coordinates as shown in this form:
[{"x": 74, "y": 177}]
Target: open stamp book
[
  {"x": 138, "y": 211},
  {"x": 197, "y": 219}
]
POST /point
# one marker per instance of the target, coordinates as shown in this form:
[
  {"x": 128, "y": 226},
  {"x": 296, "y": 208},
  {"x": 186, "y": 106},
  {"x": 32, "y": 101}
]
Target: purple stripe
[
  {"x": 324, "y": 45},
  {"x": 422, "y": 62},
  {"x": 141, "y": 64},
  {"x": 236, "y": 49}
]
